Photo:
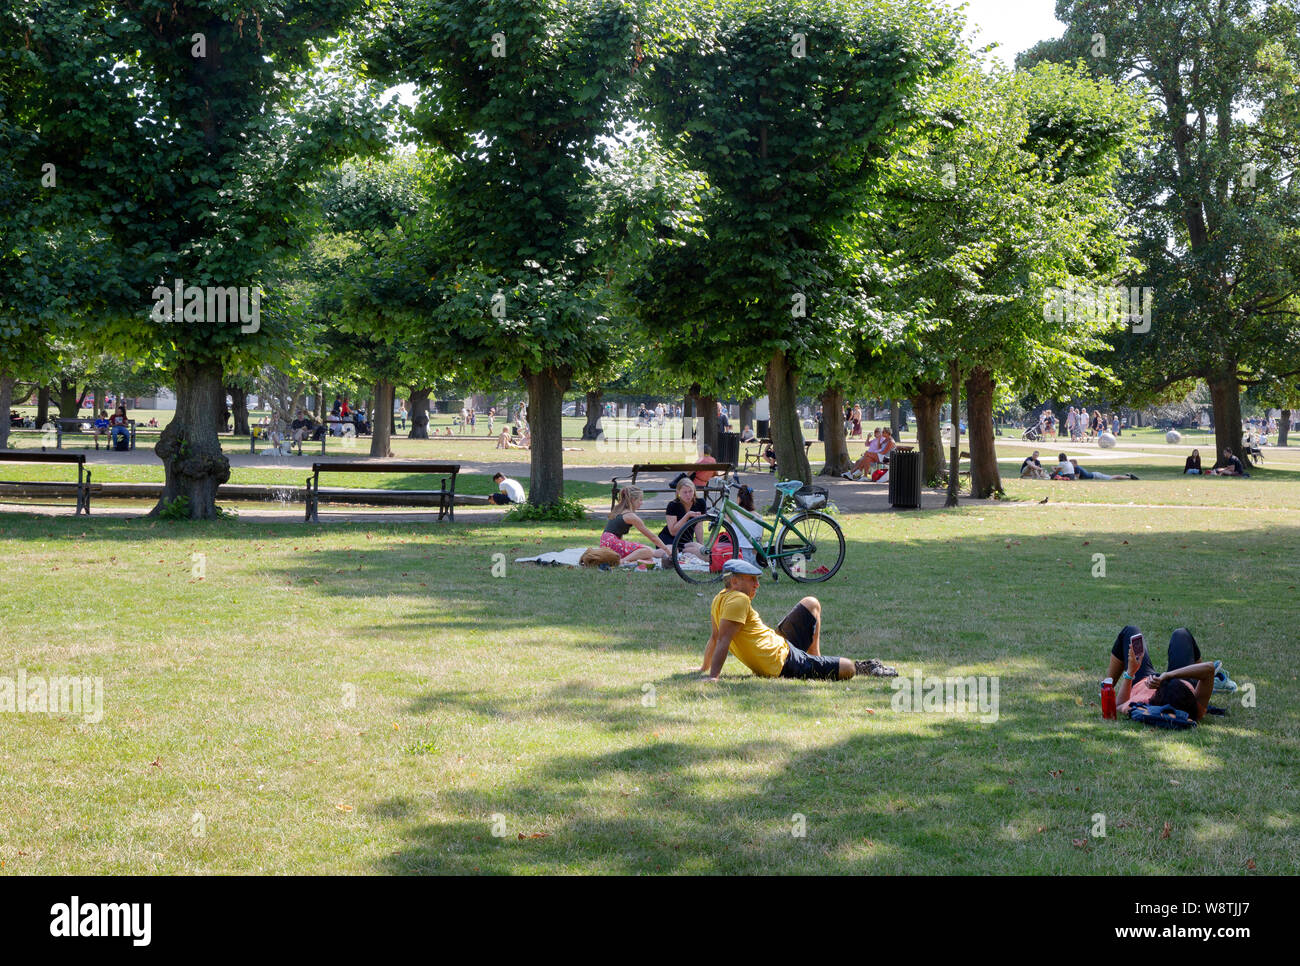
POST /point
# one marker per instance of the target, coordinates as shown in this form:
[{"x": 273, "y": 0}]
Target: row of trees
[{"x": 740, "y": 198}]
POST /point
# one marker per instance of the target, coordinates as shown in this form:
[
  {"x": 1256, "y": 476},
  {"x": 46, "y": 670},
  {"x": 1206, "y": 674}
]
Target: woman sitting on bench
[
  {"x": 624, "y": 518},
  {"x": 118, "y": 426},
  {"x": 1186, "y": 685}
]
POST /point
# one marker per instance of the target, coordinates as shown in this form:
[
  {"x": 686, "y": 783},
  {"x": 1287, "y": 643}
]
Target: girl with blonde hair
[{"x": 622, "y": 519}]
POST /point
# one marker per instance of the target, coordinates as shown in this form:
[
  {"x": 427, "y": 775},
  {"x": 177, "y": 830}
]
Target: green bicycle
[{"x": 808, "y": 545}]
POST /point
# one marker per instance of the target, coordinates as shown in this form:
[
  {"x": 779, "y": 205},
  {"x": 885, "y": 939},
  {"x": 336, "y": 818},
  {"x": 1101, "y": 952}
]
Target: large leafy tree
[
  {"x": 517, "y": 96},
  {"x": 1006, "y": 191},
  {"x": 1215, "y": 198},
  {"x": 217, "y": 115},
  {"x": 54, "y": 80},
  {"x": 784, "y": 108}
]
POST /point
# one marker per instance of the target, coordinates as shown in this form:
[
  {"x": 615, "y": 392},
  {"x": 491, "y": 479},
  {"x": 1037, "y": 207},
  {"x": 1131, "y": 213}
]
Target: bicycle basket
[{"x": 812, "y": 497}]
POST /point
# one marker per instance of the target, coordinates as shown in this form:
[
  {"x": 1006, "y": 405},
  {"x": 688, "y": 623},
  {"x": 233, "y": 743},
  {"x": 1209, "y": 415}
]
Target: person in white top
[
  {"x": 509, "y": 490},
  {"x": 1065, "y": 467},
  {"x": 869, "y": 458}
]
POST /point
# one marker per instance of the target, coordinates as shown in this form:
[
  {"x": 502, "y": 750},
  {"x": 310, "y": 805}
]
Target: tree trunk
[
  {"x": 420, "y": 414},
  {"x": 954, "y": 451},
  {"x": 320, "y": 402},
  {"x": 381, "y": 420},
  {"x": 42, "y": 406},
  {"x": 188, "y": 447},
  {"x": 984, "y": 477},
  {"x": 1283, "y": 427},
  {"x": 709, "y": 424},
  {"x": 68, "y": 400},
  {"x": 836, "y": 443},
  {"x": 238, "y": 409},
  {"x": 929, "y": 440},
  {"x": 1225, "y": 394},
  {"x": 747, "y": 412},
  {"x": 894, "y": 420},
  {"x": 786, "y": 433},
  {"x": 592, "y": 428},
  {"x": 546, "y": 391},
  {"x": 99, "y": 401},
  {"x": 7, "y": 381},
  {"x": 688, "y": 414}
]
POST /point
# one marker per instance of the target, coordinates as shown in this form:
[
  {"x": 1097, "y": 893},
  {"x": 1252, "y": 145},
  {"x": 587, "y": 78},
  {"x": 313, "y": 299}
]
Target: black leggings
[{"x": 1182, "y": 651}]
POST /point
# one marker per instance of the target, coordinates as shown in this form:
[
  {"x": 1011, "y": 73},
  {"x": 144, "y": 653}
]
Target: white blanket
[{"x": 572, "y": 557}]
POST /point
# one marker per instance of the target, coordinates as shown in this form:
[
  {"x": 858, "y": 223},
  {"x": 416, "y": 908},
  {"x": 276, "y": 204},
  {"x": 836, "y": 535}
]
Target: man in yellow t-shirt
[{"x": 792, "y": 650}]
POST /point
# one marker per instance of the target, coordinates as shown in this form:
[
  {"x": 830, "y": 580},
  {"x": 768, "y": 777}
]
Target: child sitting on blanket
[{"x": 623, "y": 519}]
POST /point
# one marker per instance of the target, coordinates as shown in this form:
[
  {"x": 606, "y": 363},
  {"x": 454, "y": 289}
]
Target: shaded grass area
[{"x": 372, "y": 699}]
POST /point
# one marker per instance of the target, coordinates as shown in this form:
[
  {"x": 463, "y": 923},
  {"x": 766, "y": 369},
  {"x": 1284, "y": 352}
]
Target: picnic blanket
[{"x": 570, "y": 557}]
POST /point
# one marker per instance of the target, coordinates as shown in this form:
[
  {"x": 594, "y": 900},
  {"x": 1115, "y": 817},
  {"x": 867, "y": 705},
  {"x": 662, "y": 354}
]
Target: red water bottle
[{"x": 1108, "y": 698}]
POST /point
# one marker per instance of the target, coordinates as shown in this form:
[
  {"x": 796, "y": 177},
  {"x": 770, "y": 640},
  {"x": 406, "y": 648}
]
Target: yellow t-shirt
[{"x": 755, "y": 645}]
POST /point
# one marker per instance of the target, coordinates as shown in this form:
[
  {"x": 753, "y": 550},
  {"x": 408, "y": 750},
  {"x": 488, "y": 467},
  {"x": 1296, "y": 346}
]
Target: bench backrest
[
  {"x": 720, "y": 468},
  {"x": 14, "y": 456},
  {"x": 387, "y": 466}
]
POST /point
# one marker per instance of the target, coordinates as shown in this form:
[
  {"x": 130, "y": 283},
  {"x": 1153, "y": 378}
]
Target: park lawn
[{"x": 361, "y": 699}]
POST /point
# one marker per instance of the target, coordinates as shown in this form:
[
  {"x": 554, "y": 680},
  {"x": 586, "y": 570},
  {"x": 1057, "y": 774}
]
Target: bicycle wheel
[
  {"x": 717, "y": 539},
  {"x": 810, "y": 547}
]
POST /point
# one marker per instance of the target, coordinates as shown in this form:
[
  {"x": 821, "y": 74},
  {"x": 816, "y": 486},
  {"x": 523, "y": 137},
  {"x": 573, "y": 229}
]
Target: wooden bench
[
  {"x": 755, "y": 448},
  {"x": 83, "y": 474},
  {"x": 445, "y": 494},
  {"x": 721, "y": 469}
]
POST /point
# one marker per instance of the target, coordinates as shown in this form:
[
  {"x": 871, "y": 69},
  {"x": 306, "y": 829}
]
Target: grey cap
[{"x": 737, "y": 565}]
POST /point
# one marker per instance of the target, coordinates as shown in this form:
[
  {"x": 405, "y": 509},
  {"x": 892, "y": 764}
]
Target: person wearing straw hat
[{"x": 791, "y": 650}]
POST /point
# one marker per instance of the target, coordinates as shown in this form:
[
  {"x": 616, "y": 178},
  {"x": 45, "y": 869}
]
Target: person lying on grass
[
  {"x": 1082, "y": 474},
  {"x": 792, "y": 650},
  {"x": 1187, "y": 684},
  {"x": 623, "y": 519}
]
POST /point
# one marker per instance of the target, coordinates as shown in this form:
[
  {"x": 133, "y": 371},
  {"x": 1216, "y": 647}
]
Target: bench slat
[
  {"x": 12, "y": 456},
  {"x": 386, "y": 466}
]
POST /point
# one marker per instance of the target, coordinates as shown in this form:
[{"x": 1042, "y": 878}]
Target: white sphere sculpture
[
  {"x": 1106, "y": 441},
  {"x": 1173, "y": 436}
]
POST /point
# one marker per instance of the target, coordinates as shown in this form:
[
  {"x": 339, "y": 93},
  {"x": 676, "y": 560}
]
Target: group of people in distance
[
  {"x": 1227, "y": 465},
  {"x": 1081, "y": 425},
  {"x": 687, "y": 505},
  {"x": 1066, "y": 468},
  {"x": 115, "y": 426}
]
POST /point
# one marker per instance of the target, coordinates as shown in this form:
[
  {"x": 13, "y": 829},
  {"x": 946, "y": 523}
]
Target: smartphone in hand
[{"x": 1138, "y": 648}]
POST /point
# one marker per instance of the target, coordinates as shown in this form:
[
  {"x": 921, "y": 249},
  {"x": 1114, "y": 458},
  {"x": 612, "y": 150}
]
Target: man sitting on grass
[
  {"x": 1228, "y": 465},
  {"x": 792, "y": 650},
  {"x": 509, "y": 490}
]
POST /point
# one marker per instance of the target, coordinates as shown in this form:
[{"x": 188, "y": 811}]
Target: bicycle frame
[{"x": 728, "y": 510}]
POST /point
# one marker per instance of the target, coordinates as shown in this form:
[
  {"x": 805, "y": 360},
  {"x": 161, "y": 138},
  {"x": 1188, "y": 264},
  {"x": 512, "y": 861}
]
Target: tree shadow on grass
[{"x": 948, "y": 796}]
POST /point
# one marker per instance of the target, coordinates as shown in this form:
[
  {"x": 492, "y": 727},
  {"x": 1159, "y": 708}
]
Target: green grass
[{"x": 527, "y": 697}]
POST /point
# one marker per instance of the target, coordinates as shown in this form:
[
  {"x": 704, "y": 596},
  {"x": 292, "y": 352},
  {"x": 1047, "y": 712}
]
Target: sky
[{"x": 1015, "y": 24}]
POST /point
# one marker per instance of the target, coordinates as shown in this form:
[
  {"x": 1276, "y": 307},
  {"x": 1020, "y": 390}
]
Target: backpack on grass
[{"x": 1161, "y": 716}]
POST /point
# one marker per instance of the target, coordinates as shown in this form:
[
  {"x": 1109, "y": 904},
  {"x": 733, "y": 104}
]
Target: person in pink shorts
[{"x": 624, "y": 518}]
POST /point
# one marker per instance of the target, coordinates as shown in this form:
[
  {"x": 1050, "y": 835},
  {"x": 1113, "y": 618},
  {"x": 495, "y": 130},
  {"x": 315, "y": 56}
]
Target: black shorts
[{"x": 798, "y": 628}]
